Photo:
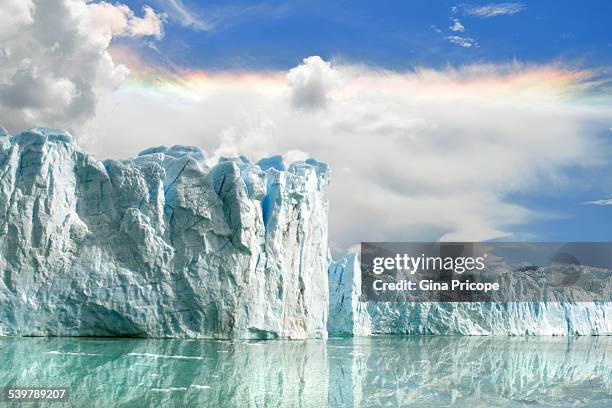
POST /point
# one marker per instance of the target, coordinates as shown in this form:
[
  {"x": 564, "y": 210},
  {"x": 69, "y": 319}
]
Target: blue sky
[{"x": 393, "y": 34}]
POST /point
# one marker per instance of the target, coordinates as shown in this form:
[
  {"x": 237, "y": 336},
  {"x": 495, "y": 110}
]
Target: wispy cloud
[
  {"x": 220, "y": 17},
  {"x": 485, "y": 11},
  {"x": 456, "y": 26},
  {"x": 494, "y": 10},
  {"x": 186, "y": 17},
  {"x": 465, "y": 42},
  {"x": 607, "y": 201},
  {"x": 454, "y": 29}
]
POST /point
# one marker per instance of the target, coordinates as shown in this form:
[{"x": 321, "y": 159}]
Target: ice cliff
[
  {"x": 443, "y": 318},
  {"x": 161, "y": 245},
  {"x": 347, "y": 315},
  {"x": 164, "y": 245}
]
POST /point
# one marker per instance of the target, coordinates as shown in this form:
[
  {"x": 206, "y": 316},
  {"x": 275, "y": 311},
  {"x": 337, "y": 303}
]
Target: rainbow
[{"x": 509, "y": 84}]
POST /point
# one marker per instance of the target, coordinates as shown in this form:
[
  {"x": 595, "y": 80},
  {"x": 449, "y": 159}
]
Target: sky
[
  {"x": 392, "y": 34},
  {"x": 440, "y": 120}
]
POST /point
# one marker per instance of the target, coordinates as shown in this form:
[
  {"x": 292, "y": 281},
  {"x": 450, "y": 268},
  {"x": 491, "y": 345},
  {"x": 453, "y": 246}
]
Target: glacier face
[
  {"x": 496, "y": 319},
  {"x": 160, "y": 245},
  {"x": 444, "y": 318},
  {"x": 347, "y": 315}
]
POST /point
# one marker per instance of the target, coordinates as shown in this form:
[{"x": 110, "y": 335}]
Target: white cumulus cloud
[
  {"x": 54, "y": 59},
  {"x": 311, "y": 82},
  {"x": 14, "y": 14},
  {"x": 120, "y": 20}
]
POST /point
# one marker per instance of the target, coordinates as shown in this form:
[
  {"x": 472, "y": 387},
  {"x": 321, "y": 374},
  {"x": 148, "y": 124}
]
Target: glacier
[
  {"x": 160, "y": 245},
  {"x": 347, "y": 315},
  {"x": 167, "y": 245},
  {"x": 460, "y": 318}
]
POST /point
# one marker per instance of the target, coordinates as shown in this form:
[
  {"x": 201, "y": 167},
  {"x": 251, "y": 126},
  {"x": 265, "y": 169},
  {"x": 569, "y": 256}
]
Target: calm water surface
[{"x": 340, "y": 372}]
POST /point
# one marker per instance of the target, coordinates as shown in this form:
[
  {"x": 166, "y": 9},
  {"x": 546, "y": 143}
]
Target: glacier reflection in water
[{"x": 340, "y": 372}]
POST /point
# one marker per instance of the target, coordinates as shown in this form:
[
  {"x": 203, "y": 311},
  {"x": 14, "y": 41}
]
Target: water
[{"x": 343, "y": 372}]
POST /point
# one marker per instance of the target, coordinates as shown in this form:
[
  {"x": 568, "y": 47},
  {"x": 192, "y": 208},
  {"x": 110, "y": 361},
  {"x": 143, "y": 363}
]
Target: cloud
[
  {"x": 186, "y": 17},
  {"x": 494, "y": 10},
  {"x": 465, "y": 42},
  {"x": 14, "y": 14},
  {"x": 421, "y": 155},
  {"x": 119, "y": 20},
  {"x": 221, "y": 16},
  {"x": 607, "y": 201},
  {"x": 54, "y": 59},
  {"x": 311, "y": 82},
  {"x": 457, "y": 26},
  {"x": 151, "y": 24}
]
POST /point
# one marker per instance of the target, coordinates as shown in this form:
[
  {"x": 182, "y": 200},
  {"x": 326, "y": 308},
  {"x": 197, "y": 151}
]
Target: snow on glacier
[{"x": 161, "y": 245}]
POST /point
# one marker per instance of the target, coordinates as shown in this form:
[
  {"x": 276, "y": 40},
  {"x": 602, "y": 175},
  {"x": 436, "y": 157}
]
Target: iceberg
[{"x": 160, "y": 245}]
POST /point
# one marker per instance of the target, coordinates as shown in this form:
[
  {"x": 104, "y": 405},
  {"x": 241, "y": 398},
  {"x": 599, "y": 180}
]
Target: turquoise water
[{"x": 343, "y": 372}]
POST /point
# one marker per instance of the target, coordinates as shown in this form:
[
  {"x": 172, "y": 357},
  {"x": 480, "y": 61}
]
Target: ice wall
[
  {"x": 347, "y": 315},
  {"x": 160, "y": 245},
  {"x": 443, "y": 318}
]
